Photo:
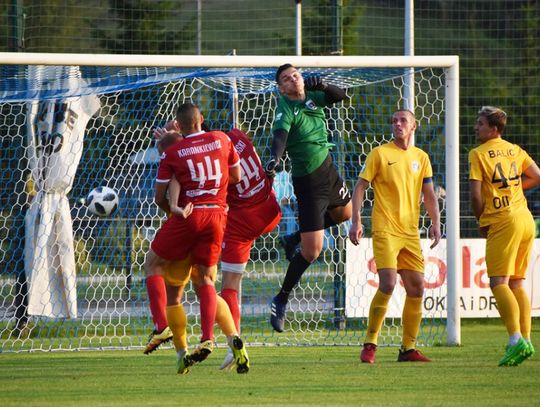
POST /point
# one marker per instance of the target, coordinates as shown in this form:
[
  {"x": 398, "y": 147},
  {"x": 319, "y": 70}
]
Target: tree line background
[{"x": 497, "y": 42}]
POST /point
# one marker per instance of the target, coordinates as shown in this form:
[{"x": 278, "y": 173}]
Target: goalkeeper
[{"x": 323, "y": 197}]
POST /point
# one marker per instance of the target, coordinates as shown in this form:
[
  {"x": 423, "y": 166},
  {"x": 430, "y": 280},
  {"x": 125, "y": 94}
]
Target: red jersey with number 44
[
  {"x": 200, "y": 162},
  {"x": 254, "y": 187}
]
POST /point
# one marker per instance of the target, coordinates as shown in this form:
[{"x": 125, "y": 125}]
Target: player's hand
[
  {"x": 434, "y": 235},
  {"x": 183, "y": 212},
  {"x": 355, "y": 233},
  {"x": 314, "y": 83},
  {"x": 159, "y": 133},
  {"x": 170, "y": 127},
  {"x": 270, "y": 167}
]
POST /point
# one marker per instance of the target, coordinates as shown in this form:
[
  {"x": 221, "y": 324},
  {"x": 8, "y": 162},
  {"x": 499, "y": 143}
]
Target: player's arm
[
  {"x": 160, "y": 197},
  {"x": 235, "y": 174},
  {"x": 356, "y": 231},
  {"x": 475, "y": 188},
  {"x": 477, "y": 201},
  {"x": 432, "y": 206},
  {"x": 235, "y": 171},
  {"x": 531, "y": 176},
  {"x": 174, "y": 196},
  {"x": 332, "y": 93},
  {"x": 279, "y": 142}
]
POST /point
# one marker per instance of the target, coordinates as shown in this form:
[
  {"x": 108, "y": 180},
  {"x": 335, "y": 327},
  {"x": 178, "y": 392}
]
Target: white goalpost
[{"x": 72, "y": 280}]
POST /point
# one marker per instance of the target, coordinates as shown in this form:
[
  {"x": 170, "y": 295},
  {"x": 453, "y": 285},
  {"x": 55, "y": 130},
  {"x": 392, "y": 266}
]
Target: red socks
[
  {"x": 231, "y": 298},
  {"x": 157, "y": 297},
  {"x": 208, "y": 301}
]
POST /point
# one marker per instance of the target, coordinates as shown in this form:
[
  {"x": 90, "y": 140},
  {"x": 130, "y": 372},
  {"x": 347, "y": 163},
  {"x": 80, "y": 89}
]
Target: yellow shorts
[
  {"x": 177, "y": 272},
  {"x": 398, "y": 253},
  {"x": 509, "y": 244}
]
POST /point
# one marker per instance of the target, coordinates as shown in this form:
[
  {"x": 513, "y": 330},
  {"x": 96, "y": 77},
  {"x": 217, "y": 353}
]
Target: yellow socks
[
  {"x": 524, "y": 311},
  {"x": 377, "y": 311},
  {"x": 178, "y": 323},
  {"x": 508, "y": 307},
  {"x": 224, "y": 318},
  {"x": 411, "y": 319}
]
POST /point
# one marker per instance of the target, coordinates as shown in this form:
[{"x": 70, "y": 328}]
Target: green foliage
[
  {"x": 327, "y": 27},
  {"x": 144, "y": 27}
]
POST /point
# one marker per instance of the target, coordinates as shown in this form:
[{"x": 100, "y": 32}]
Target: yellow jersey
[
  {"x": 499, "y": 164},
  {"x": 397, "y": 176}
]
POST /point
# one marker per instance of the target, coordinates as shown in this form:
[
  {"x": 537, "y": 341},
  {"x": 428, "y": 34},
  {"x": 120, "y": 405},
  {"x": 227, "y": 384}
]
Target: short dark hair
[
  {"x": 187, "y": 114},
  {"x": 281, "y": 69},
  {"x": 407, "y": 111}
]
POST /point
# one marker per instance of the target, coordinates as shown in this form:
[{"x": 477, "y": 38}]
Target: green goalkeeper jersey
[{"x": 305, "y": 121}]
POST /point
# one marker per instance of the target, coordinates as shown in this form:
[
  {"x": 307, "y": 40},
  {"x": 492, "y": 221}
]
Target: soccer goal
[{"x": 72, "y": 122}]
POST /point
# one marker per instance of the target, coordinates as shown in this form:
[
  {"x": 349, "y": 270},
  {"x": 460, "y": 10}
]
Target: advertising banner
[{"x": 475, "y": 297}]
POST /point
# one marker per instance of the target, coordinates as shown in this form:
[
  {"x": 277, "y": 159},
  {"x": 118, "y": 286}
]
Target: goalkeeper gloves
[
  {"x": 270, "y": 167},
  {"x": 315, "y": 83}
]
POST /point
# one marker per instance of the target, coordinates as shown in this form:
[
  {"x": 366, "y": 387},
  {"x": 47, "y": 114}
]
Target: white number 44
[{"x": 206, "y": 170}]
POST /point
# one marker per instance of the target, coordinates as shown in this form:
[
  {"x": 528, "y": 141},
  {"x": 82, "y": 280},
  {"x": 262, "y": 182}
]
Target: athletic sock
[
  {"x": 514, "y": 338},
  {"x": 178, "y": 323},
  {"x": 524, "y": 311},
  {"x": 296, "y": 268},
  {"x": 411, "y": 319},
  {"x": 224, "y": 318},
  {"x": 508, "y": 307},
  {"x": 157, "y": 298},
  {"x": 231, "y": 298},
  {"x": 208, "y": 306},
  {"x": 377, "y": 312}
]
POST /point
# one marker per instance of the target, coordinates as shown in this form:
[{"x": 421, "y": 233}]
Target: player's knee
[
  {"x": 153, "y": 265},
  {"x": 311, "y": 253},
  {"x": 416, "y": 291},
  {"x": 414, "y": 287},
  {"x": 231, "y": 280},
  {"x": 387, "y": 287},
  {"x": 174, "y": 295},
  {"x": 207, "y": 279}
]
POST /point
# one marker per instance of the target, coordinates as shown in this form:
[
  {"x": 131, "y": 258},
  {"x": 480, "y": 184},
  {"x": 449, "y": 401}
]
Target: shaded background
[{"x": 497, "y": 42}]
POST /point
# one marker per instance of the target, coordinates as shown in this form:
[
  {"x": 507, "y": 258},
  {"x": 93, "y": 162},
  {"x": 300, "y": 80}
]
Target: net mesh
[{"x": 118, "y": 151}]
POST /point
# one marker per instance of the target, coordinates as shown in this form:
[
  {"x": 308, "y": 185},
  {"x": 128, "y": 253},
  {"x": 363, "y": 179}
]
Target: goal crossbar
[{"x": 228, "y": 61}]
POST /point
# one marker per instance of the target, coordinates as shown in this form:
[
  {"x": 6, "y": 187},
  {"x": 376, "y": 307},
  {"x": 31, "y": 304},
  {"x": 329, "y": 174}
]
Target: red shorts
[
  {"x": 244, "y": 225},
  {"x": 199, "y": 235}
]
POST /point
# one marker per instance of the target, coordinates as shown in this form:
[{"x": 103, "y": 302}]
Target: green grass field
[{"x": 318, "y": 376}]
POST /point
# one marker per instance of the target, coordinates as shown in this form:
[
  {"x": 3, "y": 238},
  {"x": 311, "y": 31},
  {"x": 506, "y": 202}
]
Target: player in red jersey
[
  {"x": 253, "y": 211},
  {"x": 177, "y": 274},
  {"x": 203, "y": 163}
]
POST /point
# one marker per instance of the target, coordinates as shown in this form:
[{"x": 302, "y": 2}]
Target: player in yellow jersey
[
  {"x": 499, "y": 172},
  {"x": 400, "y": 174}
]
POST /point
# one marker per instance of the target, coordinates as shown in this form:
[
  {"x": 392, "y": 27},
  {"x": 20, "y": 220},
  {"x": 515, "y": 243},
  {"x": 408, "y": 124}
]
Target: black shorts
[{"x": 318, "y": 192}]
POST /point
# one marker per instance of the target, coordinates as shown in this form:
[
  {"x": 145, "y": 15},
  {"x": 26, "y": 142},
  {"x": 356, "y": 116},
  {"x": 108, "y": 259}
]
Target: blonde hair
[{"x": 495, "y": 116}]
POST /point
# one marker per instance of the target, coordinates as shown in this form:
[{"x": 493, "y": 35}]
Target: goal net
[{"x": 71, "y": 280}]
